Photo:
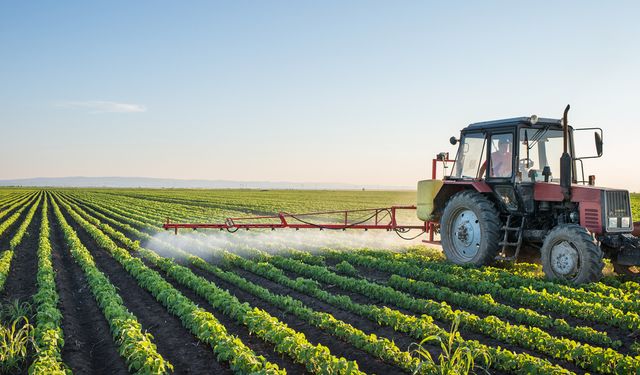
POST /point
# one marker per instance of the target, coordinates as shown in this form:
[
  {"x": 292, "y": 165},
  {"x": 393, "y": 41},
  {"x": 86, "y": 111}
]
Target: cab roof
[{"x": 514, "y": 122}]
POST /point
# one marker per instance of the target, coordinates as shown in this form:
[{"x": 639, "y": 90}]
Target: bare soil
[
  {"x": 88, "y": 346},
  {"x": 174, "y": 342}
]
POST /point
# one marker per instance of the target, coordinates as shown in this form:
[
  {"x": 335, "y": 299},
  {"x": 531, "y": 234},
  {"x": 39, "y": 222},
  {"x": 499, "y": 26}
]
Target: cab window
[
  {"x": 540, "y": 148},
  {"x": 501, "y": 155},
  {"x": 470, "y": 156}
]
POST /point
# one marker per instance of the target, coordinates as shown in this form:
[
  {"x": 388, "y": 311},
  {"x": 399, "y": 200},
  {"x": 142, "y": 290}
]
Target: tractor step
[
  {"x": 505, "y": 243},
  {"x": 513, "y": 229}
]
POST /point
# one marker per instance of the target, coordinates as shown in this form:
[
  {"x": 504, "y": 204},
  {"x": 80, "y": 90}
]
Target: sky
[{"x": 362, "y": 92}]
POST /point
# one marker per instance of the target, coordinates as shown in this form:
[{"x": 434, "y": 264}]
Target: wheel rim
[
  {"x": 565, "y": 260},
  {"x": 466, "y": 235}
]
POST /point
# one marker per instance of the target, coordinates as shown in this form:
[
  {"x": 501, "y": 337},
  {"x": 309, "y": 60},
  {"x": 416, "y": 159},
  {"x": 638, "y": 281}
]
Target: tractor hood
[{"x": 602, "y": 210}]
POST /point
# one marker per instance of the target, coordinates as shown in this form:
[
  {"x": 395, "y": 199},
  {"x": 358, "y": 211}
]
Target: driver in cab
[{"x": 500, "y": 159}]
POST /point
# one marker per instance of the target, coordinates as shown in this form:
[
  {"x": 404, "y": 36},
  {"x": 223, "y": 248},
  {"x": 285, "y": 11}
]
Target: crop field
[{"x": 90, "y": 283}]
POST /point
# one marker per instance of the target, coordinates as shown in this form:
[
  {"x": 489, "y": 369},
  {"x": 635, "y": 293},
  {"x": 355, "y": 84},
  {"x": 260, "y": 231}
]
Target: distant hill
[{"x": 147, "y": 182}]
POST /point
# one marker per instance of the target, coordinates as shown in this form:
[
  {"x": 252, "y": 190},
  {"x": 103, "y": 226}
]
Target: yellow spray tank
[{"x": 427, "y": 191}]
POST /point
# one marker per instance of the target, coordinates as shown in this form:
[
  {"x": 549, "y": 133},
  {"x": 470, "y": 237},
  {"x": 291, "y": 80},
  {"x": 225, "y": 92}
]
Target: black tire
[
  {"x": 474, "y": 239},
  {"x": 570, "y": 253}
]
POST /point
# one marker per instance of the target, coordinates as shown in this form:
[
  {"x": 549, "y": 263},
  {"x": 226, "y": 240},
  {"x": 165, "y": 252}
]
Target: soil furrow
[
  {"x": 468, "y": 335},
  {"x": 366, "y": 362},
  {"x": 259, "y": 346},
  {"x": 174, "y": 342},
  {"x": 88, "y": 346},
  {"x": 21, "y": 280}
]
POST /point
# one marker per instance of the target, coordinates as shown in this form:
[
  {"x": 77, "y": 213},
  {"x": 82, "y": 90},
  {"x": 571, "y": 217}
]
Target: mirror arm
[
  {"x": 526, "y": 140},
  {"x": 587, "y": 157},
  {"x": 582, "y": 169}
]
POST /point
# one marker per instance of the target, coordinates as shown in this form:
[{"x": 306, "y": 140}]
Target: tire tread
[
  {"x": 487, "y": 213},
  {"x": 595, "y": 262}
]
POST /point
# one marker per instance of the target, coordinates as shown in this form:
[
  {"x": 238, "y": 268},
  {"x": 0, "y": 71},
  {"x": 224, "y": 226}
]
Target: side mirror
[
  {"x": 598, "y": 143},
  {"x": 453, "y": 140},
  {"x": 581, "y": 137}
]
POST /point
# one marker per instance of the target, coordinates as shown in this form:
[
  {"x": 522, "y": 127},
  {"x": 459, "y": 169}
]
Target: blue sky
[{"x": 361, "y": 92}]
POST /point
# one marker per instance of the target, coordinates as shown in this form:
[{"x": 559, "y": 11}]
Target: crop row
[
  {"x": 487, "y": 305},
  {"x": 161, "y": 211},
  {"x": 201, "y": 323},
  {"x": 9, "y": 200},
  {"x": 5, "y": 264},
  {"x": 19, "y": 204},
  {"x": 136, "y": 347},
  {"x": 524, "y": 296},
  {"x": 614, "y": 286},
  {"x": 5, "y": 224},
  {"x": 483, "y": 302},
  {"x": 523, "y": 277},
  {"x": 316, "y": 358},
  {"x": 583, "y": 355},
  {"x": 379, "y": 347},
  {"x": 418, "y": 327},
  {"x": 212, "y": 210},
  {"x": 48, "y": 333},
  {"x": 7, "y": 255}
]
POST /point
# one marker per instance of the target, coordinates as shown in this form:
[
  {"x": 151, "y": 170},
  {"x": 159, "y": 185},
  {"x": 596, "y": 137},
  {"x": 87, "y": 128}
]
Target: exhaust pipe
[{"x": 565, "y": 160}]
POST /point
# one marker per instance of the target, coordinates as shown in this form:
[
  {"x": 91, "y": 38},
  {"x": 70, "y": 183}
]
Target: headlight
[
  {"x": 625, "y": 222},
  {"x": 574, "y": 216},
  {"x": 613, "y": 222}
]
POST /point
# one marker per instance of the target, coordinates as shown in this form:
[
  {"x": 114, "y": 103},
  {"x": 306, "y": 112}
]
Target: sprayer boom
[{"x": 374, "y": 218}]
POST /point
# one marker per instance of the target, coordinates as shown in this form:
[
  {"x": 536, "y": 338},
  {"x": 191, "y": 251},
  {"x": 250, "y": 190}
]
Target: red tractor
[
  {"x": 514, "y": 184},
  {"x": 513, "y": 188}
]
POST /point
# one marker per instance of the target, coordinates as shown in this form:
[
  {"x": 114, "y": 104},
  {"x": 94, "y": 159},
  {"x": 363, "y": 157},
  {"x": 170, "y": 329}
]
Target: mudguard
[{"x": 452, "y": 187}]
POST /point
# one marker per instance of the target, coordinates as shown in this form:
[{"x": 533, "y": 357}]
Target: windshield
[
  {"x": 470, "y": 156},
  {"x": 539, "y": 148}
]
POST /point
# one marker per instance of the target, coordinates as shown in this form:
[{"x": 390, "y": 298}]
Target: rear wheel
[
  {"x": 570, "y": 253},
  {"x": 469, "y": 229}
]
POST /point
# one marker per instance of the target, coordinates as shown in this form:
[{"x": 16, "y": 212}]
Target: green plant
[
  {"x": 6, "y": 256},
  {"x": 455, "y": 358},
  {"x": 346, "y": 268},
  {"x": 135, "y": 346},
  {"x": 48, "y": 334},
  {"x": 14, "y": 310},
  {"x": 15, "y": 339},
  {"x": 419, "y": 328},
  {"x": 584, "y": 355},
  {"x": 200, "y": 322},
  {"x": 456, "y": 290}
]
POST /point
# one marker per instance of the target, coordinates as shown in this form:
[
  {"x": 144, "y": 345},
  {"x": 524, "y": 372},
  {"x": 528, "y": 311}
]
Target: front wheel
[
  {"x": 570, "y": 253},
  {"x": 469, "y": 229}
]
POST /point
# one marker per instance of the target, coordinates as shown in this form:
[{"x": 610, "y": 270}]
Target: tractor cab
[
  {"x": 515, "y": 150},
  {"x": 510, "y": 156}
]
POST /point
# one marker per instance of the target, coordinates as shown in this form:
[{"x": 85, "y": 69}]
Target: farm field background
[{"x": 106, "y": 290}]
